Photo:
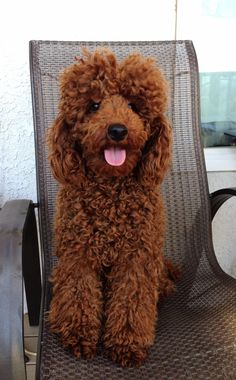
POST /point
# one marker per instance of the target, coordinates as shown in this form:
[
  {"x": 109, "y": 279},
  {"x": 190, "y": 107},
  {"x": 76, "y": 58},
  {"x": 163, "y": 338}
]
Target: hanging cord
[{"x": 176, "y": 18}]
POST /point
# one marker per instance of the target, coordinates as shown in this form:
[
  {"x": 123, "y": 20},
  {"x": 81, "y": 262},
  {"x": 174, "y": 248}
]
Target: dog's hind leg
[{"x": 170, "y": 274}]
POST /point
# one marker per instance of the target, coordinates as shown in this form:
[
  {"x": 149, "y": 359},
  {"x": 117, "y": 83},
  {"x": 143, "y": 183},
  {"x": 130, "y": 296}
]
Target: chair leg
[{"x": 31, "y": 267}]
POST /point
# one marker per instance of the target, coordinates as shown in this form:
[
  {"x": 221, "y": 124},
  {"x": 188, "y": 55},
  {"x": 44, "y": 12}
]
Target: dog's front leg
[
  {"x": 131, "y": 312},
  {"x": 75, "y": 312}
]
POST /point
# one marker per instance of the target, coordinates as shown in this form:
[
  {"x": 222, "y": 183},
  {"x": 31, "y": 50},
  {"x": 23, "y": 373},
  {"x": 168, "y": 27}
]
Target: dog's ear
[
  {"x": 64, "y": 156},
  {"x": 156, "y": 154}
]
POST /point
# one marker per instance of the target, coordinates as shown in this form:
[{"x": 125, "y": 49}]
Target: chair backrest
[{"x": 185, "y": 188}]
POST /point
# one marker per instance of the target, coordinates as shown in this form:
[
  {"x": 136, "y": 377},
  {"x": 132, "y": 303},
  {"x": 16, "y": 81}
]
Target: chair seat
[{"x": 195, "y": 339}]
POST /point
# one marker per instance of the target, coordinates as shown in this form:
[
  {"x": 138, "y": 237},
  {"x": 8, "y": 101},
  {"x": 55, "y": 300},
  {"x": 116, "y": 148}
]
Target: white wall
[
  {"x": 17, "y": 163},
  {"x": 211, "y": 25}
]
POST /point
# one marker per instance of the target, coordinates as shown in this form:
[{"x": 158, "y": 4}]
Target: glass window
[
  {"x": 211, "y": 24},
  {"x": 218, "y": 108}
]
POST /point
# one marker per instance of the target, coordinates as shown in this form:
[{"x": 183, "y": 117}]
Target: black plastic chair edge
[
  {"x": 219, "y": 197},
  {"x": 31, "y": 266},
  {"x": 19, "y": 259}
]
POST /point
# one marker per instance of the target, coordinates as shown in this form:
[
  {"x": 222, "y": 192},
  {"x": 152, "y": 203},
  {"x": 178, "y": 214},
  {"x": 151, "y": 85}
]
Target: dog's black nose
[{"x": 117, "y": 132}]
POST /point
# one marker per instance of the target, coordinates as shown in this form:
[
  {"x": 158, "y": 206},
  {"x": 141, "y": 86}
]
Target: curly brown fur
[{"x": 110, "y": 219}]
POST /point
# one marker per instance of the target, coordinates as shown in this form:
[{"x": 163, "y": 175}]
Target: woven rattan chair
[{"x": 196, "y": 332}]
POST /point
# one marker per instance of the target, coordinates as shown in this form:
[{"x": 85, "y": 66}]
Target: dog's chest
[
  {"x": 117, "y": 220},
  {"x": 108, "y": 222},
  {"x": 114, "y": 211}
]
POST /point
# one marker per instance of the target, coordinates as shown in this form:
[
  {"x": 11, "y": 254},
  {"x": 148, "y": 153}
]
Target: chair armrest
[
  {"x": 18, "y": 249},
  {"x": 219, "y": 197}
]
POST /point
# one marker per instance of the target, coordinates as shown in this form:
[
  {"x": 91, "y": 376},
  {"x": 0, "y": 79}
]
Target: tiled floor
[{"x": 31, "y": 337}]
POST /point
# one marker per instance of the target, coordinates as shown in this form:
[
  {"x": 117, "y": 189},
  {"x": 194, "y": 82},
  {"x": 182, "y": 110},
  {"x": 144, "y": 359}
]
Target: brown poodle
[{"x": 110, "y": 147}]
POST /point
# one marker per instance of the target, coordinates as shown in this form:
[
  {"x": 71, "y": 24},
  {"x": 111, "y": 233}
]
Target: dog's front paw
[{"x": 127, "y": 356}]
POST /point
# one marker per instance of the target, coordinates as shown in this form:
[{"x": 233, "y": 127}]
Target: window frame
[{"x": 220, "y": 159}]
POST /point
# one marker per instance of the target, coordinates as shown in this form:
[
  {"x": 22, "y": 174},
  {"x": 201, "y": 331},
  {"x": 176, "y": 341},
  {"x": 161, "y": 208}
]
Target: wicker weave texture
[{"x": 196, "y": 336}]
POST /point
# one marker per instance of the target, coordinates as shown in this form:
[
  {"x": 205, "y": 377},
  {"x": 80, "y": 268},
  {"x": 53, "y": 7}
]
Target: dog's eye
[
  {"x": 133, "y": 107},
  {"x": 94, "y": 107}
]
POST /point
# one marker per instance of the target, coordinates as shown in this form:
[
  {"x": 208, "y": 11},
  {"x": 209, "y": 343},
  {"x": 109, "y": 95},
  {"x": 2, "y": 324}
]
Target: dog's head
[{"x": 111, "y": 120}]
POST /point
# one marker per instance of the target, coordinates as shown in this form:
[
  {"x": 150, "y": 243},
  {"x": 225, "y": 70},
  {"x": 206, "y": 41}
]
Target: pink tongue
[{"x": 115, "y": 156}]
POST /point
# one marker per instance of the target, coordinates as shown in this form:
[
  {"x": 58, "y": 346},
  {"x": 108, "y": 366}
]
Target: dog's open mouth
[{"x": 115, "y": 156}]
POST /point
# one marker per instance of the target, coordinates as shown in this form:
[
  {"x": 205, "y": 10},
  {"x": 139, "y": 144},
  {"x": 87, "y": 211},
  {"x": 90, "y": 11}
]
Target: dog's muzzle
[{"x": 115, "y": 155}]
